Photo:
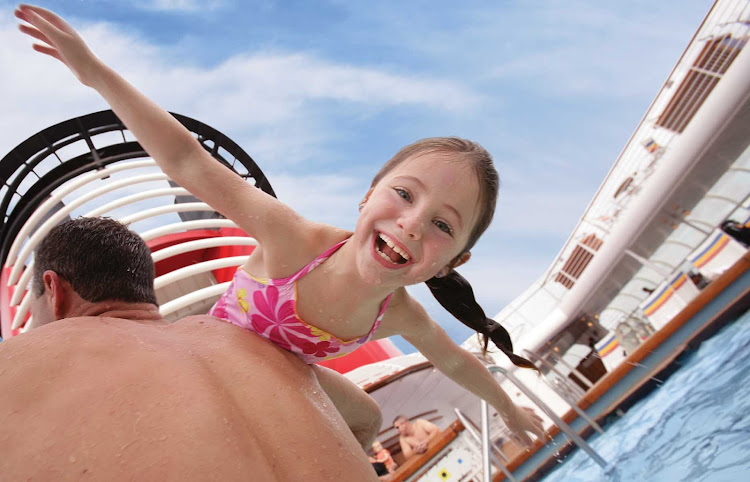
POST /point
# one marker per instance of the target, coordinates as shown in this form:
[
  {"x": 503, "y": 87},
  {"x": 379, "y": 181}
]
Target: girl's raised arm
[
  {"x": 415, "y": 325},
  {"x": 172, "y": 146}
]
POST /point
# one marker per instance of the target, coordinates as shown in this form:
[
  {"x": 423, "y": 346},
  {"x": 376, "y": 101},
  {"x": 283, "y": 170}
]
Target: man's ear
[{"x": 56, "y": 290}]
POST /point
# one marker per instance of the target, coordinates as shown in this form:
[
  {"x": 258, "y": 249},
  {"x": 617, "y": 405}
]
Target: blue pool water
[{"x": 695, "y": 427}]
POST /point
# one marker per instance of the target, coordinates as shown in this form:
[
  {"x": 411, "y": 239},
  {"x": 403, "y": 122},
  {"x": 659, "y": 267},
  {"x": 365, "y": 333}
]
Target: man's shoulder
[{"x": 425, "y": 425}]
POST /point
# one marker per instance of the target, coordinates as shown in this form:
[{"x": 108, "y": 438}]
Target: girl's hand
[
  {"x": 525, "y": 420},
  {"x": 59, "y": 39}
]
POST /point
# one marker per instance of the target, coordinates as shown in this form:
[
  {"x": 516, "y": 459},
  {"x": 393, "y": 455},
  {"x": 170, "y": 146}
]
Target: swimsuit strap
[
  {"x": 314, "y": 264},
  {"x": 383, "y": 307},
  {"x": 309, "y": 267}
]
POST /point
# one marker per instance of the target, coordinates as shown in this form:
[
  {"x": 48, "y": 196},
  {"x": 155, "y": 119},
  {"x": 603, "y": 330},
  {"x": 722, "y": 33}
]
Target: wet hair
[
  {"x": 455, "y": 294},
  {"x": 101, "y": 259},
  {"x": 453, "y": 291}
]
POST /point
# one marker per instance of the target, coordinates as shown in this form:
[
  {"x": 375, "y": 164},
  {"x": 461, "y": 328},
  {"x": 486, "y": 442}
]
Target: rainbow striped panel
[
  {"x": 705, "y": 256},
  {"x": 665, "y": 294},
  {"x": 609, "y": 346}
]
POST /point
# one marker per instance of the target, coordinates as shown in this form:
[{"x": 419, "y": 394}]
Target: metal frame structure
[{"x": 92, "y": 166}]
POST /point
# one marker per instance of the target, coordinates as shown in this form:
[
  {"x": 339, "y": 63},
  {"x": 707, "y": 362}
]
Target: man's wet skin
[{"x": 199, "y": 399}]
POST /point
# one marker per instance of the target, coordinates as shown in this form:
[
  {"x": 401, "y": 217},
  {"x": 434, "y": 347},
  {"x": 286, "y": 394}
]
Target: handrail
[
  {"x": 558, "y": 421},
  {"x": 565, "y": 380},
  {"x": 565, "y": 397},
  {"x": 470, "y": 428},
  {"x": 584, "y": 379},
  {"x": 486, "y": 465}
]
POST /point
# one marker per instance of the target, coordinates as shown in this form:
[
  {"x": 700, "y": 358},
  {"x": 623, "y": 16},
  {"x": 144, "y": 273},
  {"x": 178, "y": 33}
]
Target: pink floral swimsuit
[{"x": 269, "y": 308}]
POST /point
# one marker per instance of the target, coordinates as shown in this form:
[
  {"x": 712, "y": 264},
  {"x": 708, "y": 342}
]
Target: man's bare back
[{"x": 114, "y": 399}]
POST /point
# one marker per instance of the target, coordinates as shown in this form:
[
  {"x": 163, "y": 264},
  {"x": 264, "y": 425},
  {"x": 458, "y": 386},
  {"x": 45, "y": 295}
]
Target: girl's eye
[
  {"x": 403, "y": 193},
  {"x": 444, "y": 227}
]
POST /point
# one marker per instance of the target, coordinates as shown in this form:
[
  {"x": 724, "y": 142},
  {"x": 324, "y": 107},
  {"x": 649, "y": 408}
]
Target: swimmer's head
[
  {"x": 402, "y": 424},
  {"x": 100, "y": 258},
  {"x": 461, "y": 150}
]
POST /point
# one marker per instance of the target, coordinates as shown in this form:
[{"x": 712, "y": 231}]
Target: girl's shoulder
[
  {"x": 319, "y": 237},
  {"x": 405, "y": 316},
  {"x": 286, "y": 256}
]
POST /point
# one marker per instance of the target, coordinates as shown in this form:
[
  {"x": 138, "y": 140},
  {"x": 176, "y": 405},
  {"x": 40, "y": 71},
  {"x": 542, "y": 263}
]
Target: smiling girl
[{"x": 321, "y": 291}]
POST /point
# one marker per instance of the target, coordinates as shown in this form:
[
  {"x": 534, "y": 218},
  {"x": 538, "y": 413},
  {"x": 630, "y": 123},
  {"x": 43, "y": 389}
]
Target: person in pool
[
  {"x": 107, "y": 389},
  {"x": 317, "y": 290}
]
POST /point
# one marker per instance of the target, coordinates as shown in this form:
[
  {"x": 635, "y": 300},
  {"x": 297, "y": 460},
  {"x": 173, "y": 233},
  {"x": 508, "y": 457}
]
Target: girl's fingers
[
  {"x": 47, "y": 15},
  {"x": 48, "y": 51},
  {"x": 40, "y": 23},
  {"x": 34, "y": 33}
]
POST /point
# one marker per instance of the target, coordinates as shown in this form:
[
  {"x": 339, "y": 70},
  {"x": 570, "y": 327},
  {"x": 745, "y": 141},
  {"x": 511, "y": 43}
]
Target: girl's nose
[{"x": 412, "y": 225}]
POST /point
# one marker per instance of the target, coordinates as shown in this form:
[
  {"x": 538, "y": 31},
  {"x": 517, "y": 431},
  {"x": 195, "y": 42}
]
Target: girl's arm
[
  {"x": 358, "y": 409},
  {"x": 415, "y": 325},
  {"x": 172, "y": 146}
]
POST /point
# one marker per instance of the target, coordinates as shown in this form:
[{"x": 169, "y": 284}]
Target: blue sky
[{"x": 322, "y": 93}]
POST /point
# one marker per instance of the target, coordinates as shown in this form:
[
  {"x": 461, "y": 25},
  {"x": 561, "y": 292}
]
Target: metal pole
[
  {"x": 486, "y": 465},
  {"x": 563, "y": 426},
  {"x": 475, "y": 435},
  {"x": 577, "y": 409},
  {"x": 564, "y": 396},
  {"x": 584, "y": 379},
  {"x": 563, "y": 379}
]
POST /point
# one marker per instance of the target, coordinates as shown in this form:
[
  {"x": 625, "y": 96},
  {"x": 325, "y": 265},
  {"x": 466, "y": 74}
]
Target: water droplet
[{"x": 72, "y": 459}]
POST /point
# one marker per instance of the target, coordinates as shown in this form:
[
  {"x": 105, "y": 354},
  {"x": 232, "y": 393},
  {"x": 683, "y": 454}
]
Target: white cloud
[
  {"x": 276, "y": 102},
  {"x": 600, "y": 50},
  {"x": 331, "y": 199},
  {"x": 186, "y": 6},
  {"x": 536, "y": 212}
]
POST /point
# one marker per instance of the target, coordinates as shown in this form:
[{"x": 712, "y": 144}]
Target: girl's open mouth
[{"x": 389, "y": 251}]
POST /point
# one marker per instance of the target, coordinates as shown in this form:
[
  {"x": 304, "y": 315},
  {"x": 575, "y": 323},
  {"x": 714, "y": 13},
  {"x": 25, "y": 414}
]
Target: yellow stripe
[
  {"x": 609, "y": 347},
  {"x": 677, "y": 284},
  {"x": 708, "y": 255},
  {"x": 658, "y": 302}
]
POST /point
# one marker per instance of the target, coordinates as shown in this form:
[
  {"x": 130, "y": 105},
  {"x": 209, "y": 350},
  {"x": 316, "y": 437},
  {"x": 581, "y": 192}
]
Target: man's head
[
  {"x": 97, "y": 258},
  {"x": 402, "y": 424}
]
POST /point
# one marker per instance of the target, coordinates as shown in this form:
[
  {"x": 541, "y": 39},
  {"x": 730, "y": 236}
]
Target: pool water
[{"x": 695, "y": 427}]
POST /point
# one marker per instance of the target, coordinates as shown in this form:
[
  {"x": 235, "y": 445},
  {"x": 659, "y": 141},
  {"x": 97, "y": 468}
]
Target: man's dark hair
[{"x": 101, "y": 259}]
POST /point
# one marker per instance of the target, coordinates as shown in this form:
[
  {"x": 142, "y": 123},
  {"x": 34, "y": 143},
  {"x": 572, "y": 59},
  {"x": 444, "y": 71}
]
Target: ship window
[{"x": 714, "y": 60}]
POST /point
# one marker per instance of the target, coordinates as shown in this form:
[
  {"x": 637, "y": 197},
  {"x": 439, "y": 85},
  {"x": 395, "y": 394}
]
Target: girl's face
[{"x": 417, "y": 219}]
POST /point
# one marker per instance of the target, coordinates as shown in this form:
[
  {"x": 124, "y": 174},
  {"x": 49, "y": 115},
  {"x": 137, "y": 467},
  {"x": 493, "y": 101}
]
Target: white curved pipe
[
  {"x": 176, "y": 191},
  {"x": 29, "y": 325},
  {"x": 187, "y": 226},
  {"x": 171, "y": 208},
  {"x": 193, "y": 269},
  {"x": 22, "y": 310},
  {"x": 53, "y": 220},
  {"x": 202, "y": 244},
  {"x": 58, "y": 196},
  {"x": 23, "y": 282}
]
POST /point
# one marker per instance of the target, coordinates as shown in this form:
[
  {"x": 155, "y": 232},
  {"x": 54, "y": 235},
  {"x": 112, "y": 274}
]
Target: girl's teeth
[
  {"x": 393, "y": 246},
  {"x": 385, "y": 257}
]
